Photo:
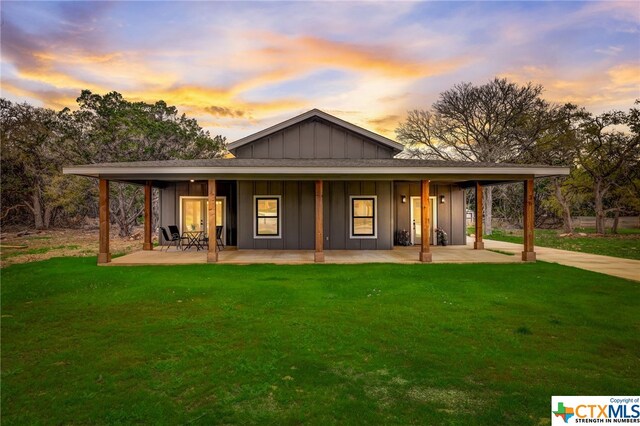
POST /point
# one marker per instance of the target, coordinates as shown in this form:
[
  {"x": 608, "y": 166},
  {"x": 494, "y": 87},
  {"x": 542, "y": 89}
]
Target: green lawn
[
  {"x": 626, "y": 244},
  {"x": 319, "y": 344}
]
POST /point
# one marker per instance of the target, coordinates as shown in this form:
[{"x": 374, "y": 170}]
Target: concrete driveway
[{"x": 618, "y": 267}]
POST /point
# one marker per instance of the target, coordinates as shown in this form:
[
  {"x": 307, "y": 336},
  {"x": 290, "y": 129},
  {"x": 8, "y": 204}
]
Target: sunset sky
[{"x": 239, "y": 67}]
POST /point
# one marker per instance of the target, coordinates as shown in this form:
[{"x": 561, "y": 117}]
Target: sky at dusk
[{"x": 239, "y": 67}]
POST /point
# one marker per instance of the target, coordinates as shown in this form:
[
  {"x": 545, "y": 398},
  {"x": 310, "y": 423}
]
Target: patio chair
[
  {"x": 175, "y": 232},
  {"x": 219, "y": 238},
  {"x": 171, "y": 239}
]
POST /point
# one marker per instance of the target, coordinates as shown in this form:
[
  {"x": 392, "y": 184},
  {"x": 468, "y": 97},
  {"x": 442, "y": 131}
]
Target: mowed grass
[
  {"x": 313, "y": 344},
  {"x": 625, "y": 244}
]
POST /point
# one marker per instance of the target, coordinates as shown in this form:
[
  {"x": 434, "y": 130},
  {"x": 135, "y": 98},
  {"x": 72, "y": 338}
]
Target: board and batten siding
[
  {"x": 298, "y": 215},
  {"x": 314, "y": 138},
  {"x": 451, "y": 213}
]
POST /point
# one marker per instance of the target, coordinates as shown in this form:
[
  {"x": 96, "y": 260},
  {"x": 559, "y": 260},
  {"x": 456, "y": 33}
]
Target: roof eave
[{"x": 186, "y": 172}]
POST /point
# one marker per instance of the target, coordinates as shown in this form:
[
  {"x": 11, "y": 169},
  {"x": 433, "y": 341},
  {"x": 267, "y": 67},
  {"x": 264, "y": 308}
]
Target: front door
[
  {"x": 193, "y": 214},
  {"x": 416, "y": 219}
]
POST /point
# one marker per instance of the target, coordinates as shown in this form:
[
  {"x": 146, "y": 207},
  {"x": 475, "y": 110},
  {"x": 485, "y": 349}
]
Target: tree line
[
  {"x": 503, "y": 122},
  {"x": 496, "y": 122},
  {"x": 37, "y": 142}
]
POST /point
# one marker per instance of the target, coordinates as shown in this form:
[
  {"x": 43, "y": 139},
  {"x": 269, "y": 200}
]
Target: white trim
[
  {"x": 433, "y": 199},
  {"x": 316, "y": 113},
  {"x": 188, "y": 172},
  {"x": 254, "y": 217},
  {"x": 224, "y": 212},
  {"x": 375, "y": 218}
]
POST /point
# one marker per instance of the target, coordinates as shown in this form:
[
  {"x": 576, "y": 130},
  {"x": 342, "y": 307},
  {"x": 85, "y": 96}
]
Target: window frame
[
  {"x": 352, "y": 199},
  {"x": 256, "y": 217},
  {"x": 222, "y": 198}
]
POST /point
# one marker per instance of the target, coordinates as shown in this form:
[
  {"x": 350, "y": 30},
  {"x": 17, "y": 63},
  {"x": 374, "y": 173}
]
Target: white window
[
  {"x": 364, "y": 220},
  {"x": 267, "y": 215}
]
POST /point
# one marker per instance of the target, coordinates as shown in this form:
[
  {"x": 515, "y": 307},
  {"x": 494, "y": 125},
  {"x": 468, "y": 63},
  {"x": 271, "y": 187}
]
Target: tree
[
  {"x": 37, "y": 142},
  {"x": 608, "y": 154},
  {"x": 495, "y": 122},
  {"x": 29, "y": 161},
  {"x": 111, "y": 129}
]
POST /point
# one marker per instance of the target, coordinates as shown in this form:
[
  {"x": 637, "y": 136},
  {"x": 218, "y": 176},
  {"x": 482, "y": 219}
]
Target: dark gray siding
[
  {"x": 451, "y": 215},
  {"x": 298, "y": 214},
  {"x": 170, "y": 203},
  {"x": 315, "y": 138},
  {"x": 337, "y": 215}
]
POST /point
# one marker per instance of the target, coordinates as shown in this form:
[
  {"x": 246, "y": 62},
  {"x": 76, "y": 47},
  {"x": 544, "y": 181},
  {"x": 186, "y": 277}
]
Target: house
[{"x": 316, "y": 182}]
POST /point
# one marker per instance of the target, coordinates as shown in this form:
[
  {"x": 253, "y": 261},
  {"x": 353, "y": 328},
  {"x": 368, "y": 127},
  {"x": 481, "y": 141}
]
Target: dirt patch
[{"x": 60, "y": 242}]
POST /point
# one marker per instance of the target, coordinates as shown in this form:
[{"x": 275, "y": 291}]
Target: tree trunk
[
  {"x": 37, "y": 208},
  {"x": 598, "y": 195},
  {"x": 616, "y": 221},
  {"x": 567, "y": 222},
  {"x": 122, "y": 217},
  {"x": 48, "y": 214},
  {"x": 488, "y": 203}
]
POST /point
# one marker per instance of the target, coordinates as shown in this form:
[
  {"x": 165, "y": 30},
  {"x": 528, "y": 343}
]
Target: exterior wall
[
  {"x": 170, "y": 203},
  {"x": 451, "y": 214},
  {"x": 298, "y": 211},
  {"x": 298, "y": 215},
  {"x": 314, "y": 138}
]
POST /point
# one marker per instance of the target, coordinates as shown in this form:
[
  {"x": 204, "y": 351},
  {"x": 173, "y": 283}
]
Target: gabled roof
[{"x": 397, "y": 147}]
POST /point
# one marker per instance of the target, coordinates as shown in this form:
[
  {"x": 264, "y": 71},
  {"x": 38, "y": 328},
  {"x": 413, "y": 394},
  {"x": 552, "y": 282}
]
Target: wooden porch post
[
  {"x": 318, "y": 256},
  {"x": 479, "y": 244},
  {"x": 528, "y": 255},
  {"x": 425, "y": 220},
  {"x": 212, "y": 253},
  {"x": 148, "y": 245},
  {"x": 104, "y": 256}
]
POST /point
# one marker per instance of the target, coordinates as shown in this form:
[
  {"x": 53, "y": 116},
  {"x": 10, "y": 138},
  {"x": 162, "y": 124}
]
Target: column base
[
  {"x": 212, "y": 257},
  {"x": 147, "y": 246},
  {"x": 425, "y": 256},
  {"x": 104, "y": 258},
  {"x": 529, "y": 256},
  {"x": 478, "y": 245},
  {"x": 318, "y": 257}
]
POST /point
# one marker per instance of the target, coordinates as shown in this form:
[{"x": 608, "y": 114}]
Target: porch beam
[
  {"x": 528, "y": 254},
  {"x": 479, "y": 244},
  {"x": 212, "y": 251},
  {"x": 104, "y": 256},
  {"x": 148, "y": 245},
  {"x": 425, "y": 221},
  {"x": 318, "y": 256}
]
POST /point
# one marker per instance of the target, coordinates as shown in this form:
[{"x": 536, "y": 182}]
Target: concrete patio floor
[{"x": 449, "y": 254}]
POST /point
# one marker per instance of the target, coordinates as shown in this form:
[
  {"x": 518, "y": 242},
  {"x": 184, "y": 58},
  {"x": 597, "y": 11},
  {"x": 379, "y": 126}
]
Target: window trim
[
  {"x": 255, "y": 216},
  {"x": 375, "y": 217}
]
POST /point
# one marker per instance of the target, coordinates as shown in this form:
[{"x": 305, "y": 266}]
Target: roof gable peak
[{"x": 315, "y": 112}]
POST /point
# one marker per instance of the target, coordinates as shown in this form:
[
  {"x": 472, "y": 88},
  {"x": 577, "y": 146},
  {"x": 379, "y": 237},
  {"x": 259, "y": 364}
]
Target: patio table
[{"x": 193, "y": 239}]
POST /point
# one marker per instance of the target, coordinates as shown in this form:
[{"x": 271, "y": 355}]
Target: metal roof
[{"x": 237, "y": 168}]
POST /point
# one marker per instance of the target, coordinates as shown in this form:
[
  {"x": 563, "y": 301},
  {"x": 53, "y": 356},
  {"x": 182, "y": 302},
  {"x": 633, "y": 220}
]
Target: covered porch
[
  {"x": 423, "y": 252},
  {"x": 318, "y": 220},
  {"x": 448, "y": 254}
]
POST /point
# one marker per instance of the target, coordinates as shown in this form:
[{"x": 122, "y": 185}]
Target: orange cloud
[
  {"x": 304, "y": 53},
  {"x": 617, "y": 86}
]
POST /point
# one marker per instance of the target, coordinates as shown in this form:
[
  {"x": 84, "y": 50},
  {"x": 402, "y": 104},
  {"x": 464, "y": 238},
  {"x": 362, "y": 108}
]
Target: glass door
[
  {"x": 416, "y": 219},
  {"x": 193, "y": 214}
]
